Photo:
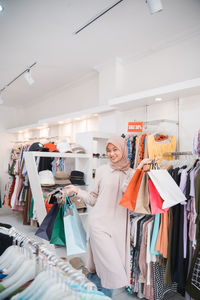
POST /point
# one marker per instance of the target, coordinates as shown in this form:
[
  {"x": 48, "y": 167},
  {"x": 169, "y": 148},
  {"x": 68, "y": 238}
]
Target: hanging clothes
[{"x": 156, "y": 149}]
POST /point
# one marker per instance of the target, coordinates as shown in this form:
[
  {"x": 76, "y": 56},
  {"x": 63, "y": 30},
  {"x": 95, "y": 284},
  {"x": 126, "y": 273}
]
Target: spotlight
[
  {"x": 154, "y": 5},
  {"x": 1, "y": 8},
  {"x": 28, "y": 77},
  {"x": 1, "y": 99},
  {"x": 158, "y": 99}
]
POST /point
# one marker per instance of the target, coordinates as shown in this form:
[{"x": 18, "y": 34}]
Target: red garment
[
  {"x": 47, "y": 205},
  {"x": 11, "y": 191},
  {"x": 142, "y": 147},
  {"x": 52, "y": 147}
]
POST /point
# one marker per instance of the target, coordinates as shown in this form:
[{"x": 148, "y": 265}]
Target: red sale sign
[{"x": 135, "y": 126}]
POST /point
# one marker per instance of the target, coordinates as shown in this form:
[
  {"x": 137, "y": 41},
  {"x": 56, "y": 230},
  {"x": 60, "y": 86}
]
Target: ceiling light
[
  {"x": 28, "y": 77},
  {"x": 1, "y": 99},
  {"x": 158, "y": 99},
  {"x": 61, "y": 122},
  {"x": 77, "y": 119},
  {"x": 1, "y": 8},
  {"x": 154, "y": 5},
  {"x": 95, "y": 115},
  {"x": 26, "y": 74}
]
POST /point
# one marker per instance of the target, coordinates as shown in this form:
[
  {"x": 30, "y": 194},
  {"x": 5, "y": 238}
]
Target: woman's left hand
[
  {"x": 71, "y": 189},
  {"x": 145, "y": 161}
]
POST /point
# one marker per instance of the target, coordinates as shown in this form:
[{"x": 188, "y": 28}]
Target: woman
[{"x": 109, "y": 228}]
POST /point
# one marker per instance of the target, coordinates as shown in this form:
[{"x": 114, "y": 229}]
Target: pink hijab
[{"x": 121, "y": 144}]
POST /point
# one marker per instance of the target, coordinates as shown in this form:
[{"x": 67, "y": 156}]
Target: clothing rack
[
  {"x": 44, "y": 254},
  {"x": 177, "y": 153},
  {"x": 37, "y": 138},
  {"x": 155, "y": 122}
]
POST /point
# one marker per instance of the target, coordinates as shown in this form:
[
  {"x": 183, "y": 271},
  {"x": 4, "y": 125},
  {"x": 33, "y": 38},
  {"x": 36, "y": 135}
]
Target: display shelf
[
  {"x": 83, "y": 162},
  {"x": 58, "y": 154},
  {"x": 29, "y": 156},
  {"x": 147, "y": 97},
  {"x": 93, "y": 142},
  {"x": 100, "y": 157}
]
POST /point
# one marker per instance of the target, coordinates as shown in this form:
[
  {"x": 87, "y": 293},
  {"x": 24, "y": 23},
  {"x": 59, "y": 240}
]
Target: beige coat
[{"x": 109, "y": 228}]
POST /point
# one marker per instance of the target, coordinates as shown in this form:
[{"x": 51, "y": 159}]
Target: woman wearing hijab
[{"x": 108, "y": 258}]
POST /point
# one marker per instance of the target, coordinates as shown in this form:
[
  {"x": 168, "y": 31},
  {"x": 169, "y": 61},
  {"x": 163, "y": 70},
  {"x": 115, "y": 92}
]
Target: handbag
[
  {"x": 142, "y": 203},
  {"x": 167, "y": 188},
  {"x": 80, "y": 204},
  {"x": 46, "y": 227},
  {"x": 130, "y": 195},
  {"x": 75, "y": 234},
  {"x": 58, "y": 233}
]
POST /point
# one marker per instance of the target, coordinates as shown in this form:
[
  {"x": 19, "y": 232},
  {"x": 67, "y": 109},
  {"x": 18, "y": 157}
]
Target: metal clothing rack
[
  {"x": 43, "y": 254},
  {"x": 155, "y": 122},
  {"x": 36, "y": 138},
  {"x": 177, "y": 153}
]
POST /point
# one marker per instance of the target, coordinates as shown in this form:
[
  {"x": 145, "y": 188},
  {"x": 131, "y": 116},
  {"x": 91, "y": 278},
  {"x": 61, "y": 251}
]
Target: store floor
[{"x": 15, "y": 219}]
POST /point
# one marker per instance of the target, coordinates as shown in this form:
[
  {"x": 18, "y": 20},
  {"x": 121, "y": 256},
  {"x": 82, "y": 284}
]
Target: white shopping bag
[{"x": 167, "y": 188}]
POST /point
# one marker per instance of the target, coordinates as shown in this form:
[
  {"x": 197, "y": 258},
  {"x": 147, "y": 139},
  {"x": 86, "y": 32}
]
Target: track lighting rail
[{"x": 26, "y": 70}]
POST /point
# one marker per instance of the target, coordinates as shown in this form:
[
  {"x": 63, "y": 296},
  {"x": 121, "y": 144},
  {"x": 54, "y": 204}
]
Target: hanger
[
  {"x": 44, "y": 267},
  {"x": 25, "y": 273}
]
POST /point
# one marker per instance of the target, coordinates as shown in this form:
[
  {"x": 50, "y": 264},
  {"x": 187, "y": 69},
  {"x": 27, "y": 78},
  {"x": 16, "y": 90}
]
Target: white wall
[
  {"x": 189, "y": 120},
  {"x": 5, "y": 147},
  {"x": 189, "y": 110},
  {"x": 8, "y": 118},
  {"x": 176, "y": 63},
  {"x": 83, "y": 94}
]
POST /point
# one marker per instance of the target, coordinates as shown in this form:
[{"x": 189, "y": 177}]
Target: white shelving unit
[
  {"x": 82, "y": 163},
  {"x": 93, "y": 142}
]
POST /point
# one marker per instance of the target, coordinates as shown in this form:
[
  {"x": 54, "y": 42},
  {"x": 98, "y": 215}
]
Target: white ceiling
[{"x": 43, "y": 31}]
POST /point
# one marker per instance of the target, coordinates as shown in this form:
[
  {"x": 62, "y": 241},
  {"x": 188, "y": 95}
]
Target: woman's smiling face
[{"x": 114, "y": 154}]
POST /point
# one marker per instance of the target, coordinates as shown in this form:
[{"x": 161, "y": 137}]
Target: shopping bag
[
  {"x": 130, "y": 195},
  {"x": 46, "y": 227},
  {"x": 156, "y": 201},
  {"x": 58, "y": 233},
  {"x": 167, "y": 188},
  {"x": 75, "y": 234},
  {"x": 142, "y": 202}
]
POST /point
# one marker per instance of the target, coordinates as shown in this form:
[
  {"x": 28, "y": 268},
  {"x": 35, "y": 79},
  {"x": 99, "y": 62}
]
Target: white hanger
[
  {"x": 42, "y": 288},
  {"x": 14, "y": 264},
  {"x": 27, "y": 271},
  {"x": 32, "y": 288},
  {"x": 57, "y": 291},
  {"x": 7, "y": 255},
  {"x": 24, "y": 274}
]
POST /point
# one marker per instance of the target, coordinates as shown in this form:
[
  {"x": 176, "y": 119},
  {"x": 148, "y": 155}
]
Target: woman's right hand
[{"x": 71, "y": 189}]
